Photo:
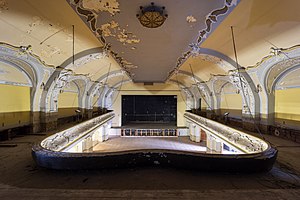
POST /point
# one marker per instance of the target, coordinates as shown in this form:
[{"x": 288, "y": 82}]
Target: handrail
[
  {"x": 241, "y": 140},
  {"x": 65, "y": 138}
]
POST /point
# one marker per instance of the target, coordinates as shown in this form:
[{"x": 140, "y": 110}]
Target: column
[
  {"x": 107, "y": 131},
  {"x": 101, "y": 133},
  {"x": 197, "y": 133},
  {"x": 192, "y": 131},
  {"x": 48, "y": 121},
  {"x": 219, "y": 146},
  {"x": 208, "y": 141}
]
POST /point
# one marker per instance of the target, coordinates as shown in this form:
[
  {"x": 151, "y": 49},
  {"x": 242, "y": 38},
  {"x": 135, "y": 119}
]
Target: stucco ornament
[{"x": 243, "y": 86}]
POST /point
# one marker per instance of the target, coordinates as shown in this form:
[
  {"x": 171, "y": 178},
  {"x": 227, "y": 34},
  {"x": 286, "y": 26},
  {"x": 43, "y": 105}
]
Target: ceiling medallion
[{"x": 152, "y": 16}]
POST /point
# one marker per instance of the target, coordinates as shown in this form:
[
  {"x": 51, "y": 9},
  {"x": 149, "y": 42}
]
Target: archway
[
  {"x": 16, "y": 100},
  {"x": 67, "y": 104},
  {"x": 286, "y": 90},
  {"x": 231, "y": 103}
]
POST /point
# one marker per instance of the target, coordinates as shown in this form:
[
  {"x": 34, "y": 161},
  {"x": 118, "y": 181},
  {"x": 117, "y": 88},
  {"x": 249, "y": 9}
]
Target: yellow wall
[
  {"x": 67, "y": 104},
  {"x": 14, "y": 98},
  {"x": 68, "y": 100},
  {"x": 140, "y": 89},
  {"x": 231, "y": 101},
  {"x": 287, "y": 104}
]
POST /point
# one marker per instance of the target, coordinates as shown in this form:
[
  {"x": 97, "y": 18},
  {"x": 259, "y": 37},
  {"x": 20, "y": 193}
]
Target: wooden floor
[{"x": 116, "y": 144}]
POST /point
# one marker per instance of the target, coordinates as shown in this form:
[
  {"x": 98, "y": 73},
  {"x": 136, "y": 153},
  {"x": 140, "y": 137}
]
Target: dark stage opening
[{"x": 149, "y": 109}]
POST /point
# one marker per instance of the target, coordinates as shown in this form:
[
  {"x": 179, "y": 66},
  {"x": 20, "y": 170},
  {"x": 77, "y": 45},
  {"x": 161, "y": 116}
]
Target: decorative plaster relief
[
  {"x": 111, "y": 6},
  {"x": 276, "y": 55},
  {"x": 87, "y": 59},
  {"x": 211, "y": 18},
  {"x": 218, "y": 85},
  {"x": 242, "y": 84},
  {"x": 90, "y": 10},
  {"x": 278, "y": 69}
]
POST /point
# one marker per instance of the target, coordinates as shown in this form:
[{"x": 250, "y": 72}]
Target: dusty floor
[
  {"x": 116, "y": 143},
  {"x": 20, "y": 178}
]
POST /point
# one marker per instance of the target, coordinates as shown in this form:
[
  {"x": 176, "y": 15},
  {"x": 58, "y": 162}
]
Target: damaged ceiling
[{"x": 150, "y": 54}]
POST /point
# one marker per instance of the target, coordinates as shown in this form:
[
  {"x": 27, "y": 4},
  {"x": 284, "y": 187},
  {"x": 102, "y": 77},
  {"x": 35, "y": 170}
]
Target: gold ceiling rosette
[{"x": 152, "y": 16}]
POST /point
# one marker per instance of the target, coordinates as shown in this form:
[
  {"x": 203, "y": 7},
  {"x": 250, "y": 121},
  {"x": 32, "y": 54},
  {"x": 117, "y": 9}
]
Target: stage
[
  {"x": 119, "y": 144},
  {"x": 143, "y": 125}
]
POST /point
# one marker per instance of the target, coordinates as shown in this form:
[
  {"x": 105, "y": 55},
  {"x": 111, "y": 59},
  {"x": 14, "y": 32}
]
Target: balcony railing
[
  {"x": 63, "y": 139},
  {"x": 241, "y": 140}
]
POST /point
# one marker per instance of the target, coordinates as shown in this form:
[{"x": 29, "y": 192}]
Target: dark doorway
[{"x": 149, "y": 109}]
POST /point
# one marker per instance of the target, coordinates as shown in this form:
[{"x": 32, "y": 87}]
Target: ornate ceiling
[
  {"x": 195, "y": 37},
  {"x": 149, "y": 54}
]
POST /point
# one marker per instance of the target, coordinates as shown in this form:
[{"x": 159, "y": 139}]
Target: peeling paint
[
  {"x": 111, "y": 6},
  {"x": 191, "y": 19},
  {"x": 112, "y": 29},
  {"x": 36, "y": 21}
]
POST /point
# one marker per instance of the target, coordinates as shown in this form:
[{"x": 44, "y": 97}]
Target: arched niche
[
  {"x": 231, "y": 101},
  {"x": 287, "y": 94},
  {"x": 198, "y": 88},
  {"x": 15, "y": 102},
  {"x": 99, "y": 88},
  {"x": 68, "y": 101}
]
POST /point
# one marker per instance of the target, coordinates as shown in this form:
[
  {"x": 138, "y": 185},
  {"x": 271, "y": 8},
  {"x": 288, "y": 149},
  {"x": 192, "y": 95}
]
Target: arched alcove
[
  {"x": 68, "y": 102},
  {"x": 287, "y": 99},
  {"x": 15, "y": 101},
  {"x": 231, "y": 102}
]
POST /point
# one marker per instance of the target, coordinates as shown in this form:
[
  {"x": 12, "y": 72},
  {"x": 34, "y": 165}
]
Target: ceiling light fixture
[{"x": 152, "y": 16}]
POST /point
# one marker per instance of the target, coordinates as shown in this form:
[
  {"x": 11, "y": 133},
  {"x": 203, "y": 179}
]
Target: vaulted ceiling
[{"x": 148, "y": 55}]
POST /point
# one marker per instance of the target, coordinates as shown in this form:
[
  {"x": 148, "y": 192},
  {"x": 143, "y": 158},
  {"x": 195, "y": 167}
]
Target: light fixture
[{"x": 152, "y": 16}]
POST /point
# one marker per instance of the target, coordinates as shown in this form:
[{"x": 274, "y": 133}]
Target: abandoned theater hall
[{"x": 135, "y": 99}]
